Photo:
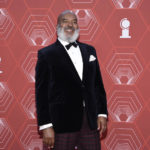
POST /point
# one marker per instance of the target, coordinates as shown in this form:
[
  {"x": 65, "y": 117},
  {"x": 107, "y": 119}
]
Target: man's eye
[{"x": 65, "y": 21}]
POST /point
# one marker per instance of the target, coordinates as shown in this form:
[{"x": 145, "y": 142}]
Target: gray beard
[{"x": 61, "y": 35}]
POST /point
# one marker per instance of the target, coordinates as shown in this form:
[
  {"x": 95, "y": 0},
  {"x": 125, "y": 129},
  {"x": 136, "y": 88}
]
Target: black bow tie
[{"x": 71, "y": 44}]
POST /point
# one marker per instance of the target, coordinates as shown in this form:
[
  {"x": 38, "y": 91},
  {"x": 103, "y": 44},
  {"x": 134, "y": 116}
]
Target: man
[{"x": 70, "y": 96}]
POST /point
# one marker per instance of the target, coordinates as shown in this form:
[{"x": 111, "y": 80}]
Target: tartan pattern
[{"x": 85, "y": 139}]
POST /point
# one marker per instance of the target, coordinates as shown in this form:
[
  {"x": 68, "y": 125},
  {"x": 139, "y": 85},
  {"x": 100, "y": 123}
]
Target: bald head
[{"x": 65, "y": 13}]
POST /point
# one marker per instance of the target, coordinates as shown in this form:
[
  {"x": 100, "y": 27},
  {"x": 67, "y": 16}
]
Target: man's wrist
[
  {"x": 42, "y": 127},
  {"x": 102, "y": 115}
]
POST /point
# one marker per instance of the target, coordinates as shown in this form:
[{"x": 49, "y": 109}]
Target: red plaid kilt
[{"x": 85, "y": 139}]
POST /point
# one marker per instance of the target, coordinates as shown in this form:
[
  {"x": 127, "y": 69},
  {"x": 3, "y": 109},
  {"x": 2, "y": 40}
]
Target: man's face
[{"x": 68, "y": 23}]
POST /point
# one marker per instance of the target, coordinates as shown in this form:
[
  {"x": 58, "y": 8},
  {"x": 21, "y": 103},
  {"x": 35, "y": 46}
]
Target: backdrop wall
[{"x": 120, "y": 32}]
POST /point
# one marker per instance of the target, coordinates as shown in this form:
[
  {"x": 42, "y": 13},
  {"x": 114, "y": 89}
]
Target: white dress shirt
[{"x": 76, "y": 57}]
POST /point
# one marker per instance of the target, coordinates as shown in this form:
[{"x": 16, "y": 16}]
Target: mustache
[{"x": 70, "y": 28}]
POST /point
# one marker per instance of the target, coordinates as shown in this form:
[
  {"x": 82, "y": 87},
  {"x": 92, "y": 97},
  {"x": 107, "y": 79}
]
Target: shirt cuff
[
  {"x": 45, "y": 126},
  {"x": 102, "y": 115}
]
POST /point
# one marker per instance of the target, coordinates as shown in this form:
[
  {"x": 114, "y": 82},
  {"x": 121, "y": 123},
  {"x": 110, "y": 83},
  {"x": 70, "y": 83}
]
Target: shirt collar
[{"x": 64, "y": 43}]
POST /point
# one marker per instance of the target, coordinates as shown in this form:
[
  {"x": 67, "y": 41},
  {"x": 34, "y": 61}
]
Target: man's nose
[{"x": 70, "y": 24}]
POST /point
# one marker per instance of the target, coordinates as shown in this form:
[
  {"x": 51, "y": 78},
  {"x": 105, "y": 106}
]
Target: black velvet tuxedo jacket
[{"x": 60, "y": 91}]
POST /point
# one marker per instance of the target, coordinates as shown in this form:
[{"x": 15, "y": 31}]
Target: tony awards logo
[{"x": 125, "y": 24}]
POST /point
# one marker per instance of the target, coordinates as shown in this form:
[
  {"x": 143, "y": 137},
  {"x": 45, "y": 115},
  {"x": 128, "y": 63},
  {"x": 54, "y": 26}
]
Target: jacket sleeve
[
  {"x": 100, "y": 91},
  {"x": 41, "y": 90}
]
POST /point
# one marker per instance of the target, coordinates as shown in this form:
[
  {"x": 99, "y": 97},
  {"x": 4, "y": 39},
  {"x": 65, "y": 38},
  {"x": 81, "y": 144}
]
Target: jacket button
[{"x": 83, "y": 86}]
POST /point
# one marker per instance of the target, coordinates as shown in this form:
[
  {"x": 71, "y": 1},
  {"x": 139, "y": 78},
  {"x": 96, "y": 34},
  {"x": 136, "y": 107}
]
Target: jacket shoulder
[
  {"x": 88, "y": 47},
  {"x": 47, "y": 49}
]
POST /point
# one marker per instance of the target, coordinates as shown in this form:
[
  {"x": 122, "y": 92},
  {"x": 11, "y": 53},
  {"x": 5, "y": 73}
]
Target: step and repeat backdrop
[{"x": 120, "y": 32}]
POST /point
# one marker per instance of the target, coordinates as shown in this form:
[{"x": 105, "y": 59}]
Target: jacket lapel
[{"x": 66, "y": 60}]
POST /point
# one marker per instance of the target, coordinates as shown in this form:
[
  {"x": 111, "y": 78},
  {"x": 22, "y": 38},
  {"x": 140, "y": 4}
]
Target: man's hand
[
  {"x": 48, "y": 137},
  {"x": 101, "y": 124}
]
